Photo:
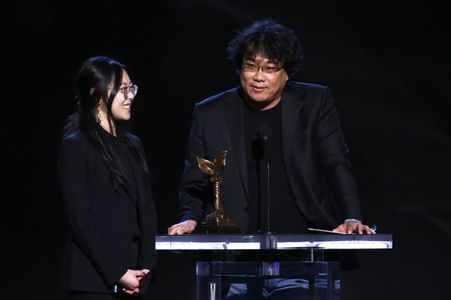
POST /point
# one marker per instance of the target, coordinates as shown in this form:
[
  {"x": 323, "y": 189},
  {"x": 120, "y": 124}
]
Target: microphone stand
[
  {"x": 268, "y": 203},
  {"x": 264, "y": 132},
  {"x": 268, "y": 230}
]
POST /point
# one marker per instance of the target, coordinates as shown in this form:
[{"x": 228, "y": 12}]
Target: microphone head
[{"x": 264, "y": 131}]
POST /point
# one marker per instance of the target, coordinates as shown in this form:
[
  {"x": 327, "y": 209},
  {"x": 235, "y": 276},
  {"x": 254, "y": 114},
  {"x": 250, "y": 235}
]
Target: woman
[{"x": 105, "y": 182}]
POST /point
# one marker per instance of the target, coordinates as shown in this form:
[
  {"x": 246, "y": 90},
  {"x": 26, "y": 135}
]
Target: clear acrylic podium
[{"x": 309, "y": 277}]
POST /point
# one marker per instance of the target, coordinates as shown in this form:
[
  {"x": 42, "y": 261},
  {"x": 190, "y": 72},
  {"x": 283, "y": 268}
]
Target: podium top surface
[{"x": 272, "y": 241}]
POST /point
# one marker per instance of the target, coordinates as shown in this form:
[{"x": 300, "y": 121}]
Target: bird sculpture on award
[{"x": 218, "y": 221}]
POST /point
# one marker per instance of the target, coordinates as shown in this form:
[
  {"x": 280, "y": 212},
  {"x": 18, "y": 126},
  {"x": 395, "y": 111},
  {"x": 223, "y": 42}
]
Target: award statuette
[{"x": 217, "y": 221}]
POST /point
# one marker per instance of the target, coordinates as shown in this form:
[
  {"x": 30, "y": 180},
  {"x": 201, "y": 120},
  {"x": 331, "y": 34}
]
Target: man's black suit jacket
[
  {"x": 103, "y": 222},
  {"x": 314, "y": 153}
]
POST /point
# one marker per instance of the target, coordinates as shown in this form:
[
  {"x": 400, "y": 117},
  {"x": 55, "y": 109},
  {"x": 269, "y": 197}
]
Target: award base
[{"x": 218, "y": 222}]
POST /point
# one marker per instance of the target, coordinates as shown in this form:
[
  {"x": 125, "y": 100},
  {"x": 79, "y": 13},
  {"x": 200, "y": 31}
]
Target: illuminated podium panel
[
  {"x": 309, "y": 277},
  {"x": 272, "y": 241}
]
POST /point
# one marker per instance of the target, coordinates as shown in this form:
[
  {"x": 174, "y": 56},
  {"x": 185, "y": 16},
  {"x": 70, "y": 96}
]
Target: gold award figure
[{"x": 217, "y": 221}]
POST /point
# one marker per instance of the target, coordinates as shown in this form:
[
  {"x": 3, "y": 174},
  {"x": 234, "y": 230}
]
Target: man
[{"x": 287, "y": 161}]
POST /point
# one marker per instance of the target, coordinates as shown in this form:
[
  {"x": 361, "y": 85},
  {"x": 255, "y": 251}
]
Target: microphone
[{"x": 264, "y": 133}]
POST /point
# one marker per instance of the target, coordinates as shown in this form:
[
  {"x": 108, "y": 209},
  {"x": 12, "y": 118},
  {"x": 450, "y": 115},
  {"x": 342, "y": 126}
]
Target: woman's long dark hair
[{"x": 94, "y": 79}]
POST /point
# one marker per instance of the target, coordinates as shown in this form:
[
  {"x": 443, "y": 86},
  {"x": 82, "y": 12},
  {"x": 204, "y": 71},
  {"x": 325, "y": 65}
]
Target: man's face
[{"x": 262, "y": 81}]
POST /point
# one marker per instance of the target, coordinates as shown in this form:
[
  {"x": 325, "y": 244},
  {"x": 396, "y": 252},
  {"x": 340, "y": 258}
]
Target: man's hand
[
  {"x": 354, "y": 227},
  {"x": 187, "y": 226}
]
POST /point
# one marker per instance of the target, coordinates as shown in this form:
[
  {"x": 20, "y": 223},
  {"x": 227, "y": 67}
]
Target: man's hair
[{"x": 270, "y": 39}]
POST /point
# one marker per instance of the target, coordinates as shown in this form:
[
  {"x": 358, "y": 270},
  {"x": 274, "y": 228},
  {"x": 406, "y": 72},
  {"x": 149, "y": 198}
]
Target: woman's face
[{"x": 122, "y": 103}]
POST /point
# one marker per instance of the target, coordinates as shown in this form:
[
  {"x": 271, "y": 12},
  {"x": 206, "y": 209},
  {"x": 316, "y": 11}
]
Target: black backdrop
[{"x": 388, "y": 68}]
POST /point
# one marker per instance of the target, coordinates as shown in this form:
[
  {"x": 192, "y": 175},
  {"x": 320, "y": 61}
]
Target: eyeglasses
[
  {"x": 133, "y": 89},
  {"x": 253, "y": 68}
]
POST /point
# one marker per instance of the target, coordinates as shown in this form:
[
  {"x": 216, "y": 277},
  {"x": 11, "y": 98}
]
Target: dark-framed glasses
[
  {"x": 253, "y": 68},
  {"x": 126, "y": 90}
]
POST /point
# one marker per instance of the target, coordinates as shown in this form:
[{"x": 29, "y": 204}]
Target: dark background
[{"x": 389, "y": 70}]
